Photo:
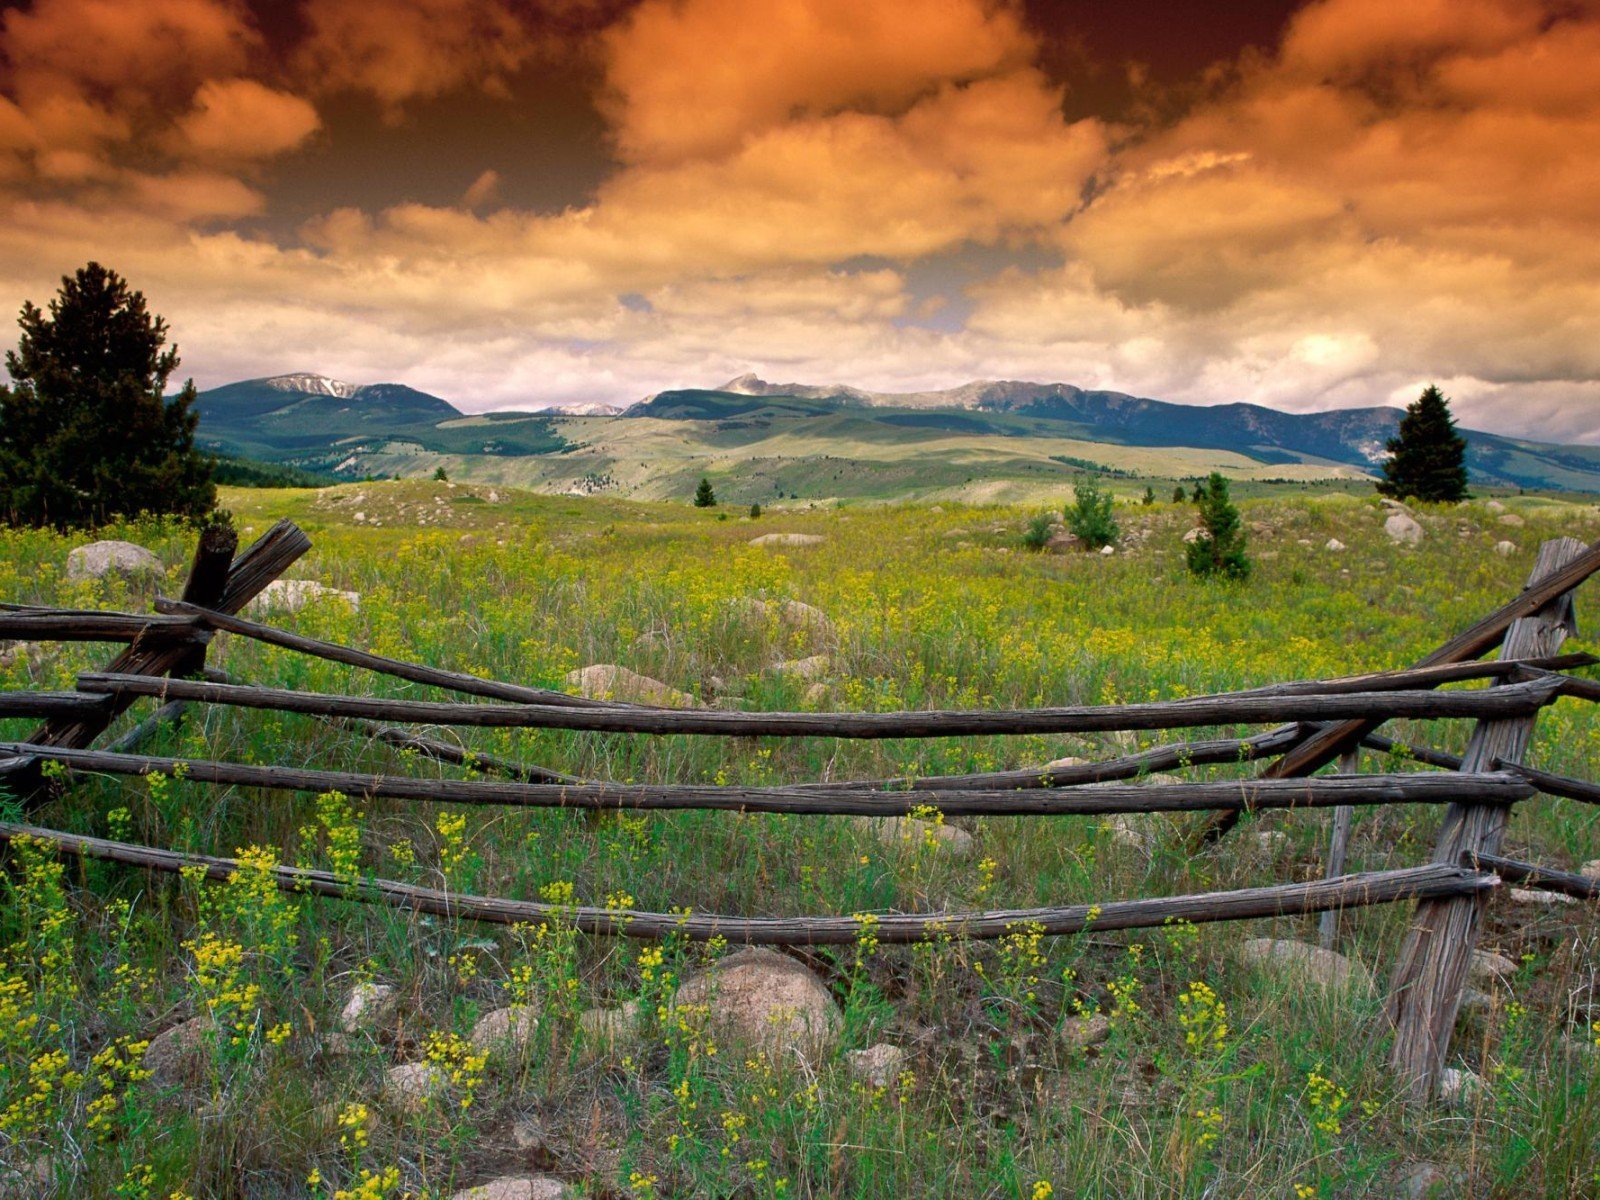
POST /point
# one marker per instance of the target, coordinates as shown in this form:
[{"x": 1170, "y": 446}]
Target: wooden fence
[{"x": 1316, "y": 722}]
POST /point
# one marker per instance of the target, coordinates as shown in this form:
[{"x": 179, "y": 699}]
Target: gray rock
[
  {"x": 1425, "y": 1181},
  {"x": 1313, "y": 963},
  {"x": 1194, "y": 535},
  {"x": 1512, "y": 520},
  {"x": 877, "y": 1066},
  {"x": 1459, "y": 1087},
  {"x": 766, "y": 999},
  {"x": 907, "y": 833},
  {"x": 517, "y": 1187},
  {"x": 368, "y": 1005},
  {"x": 1495, "y": 506},
  {"x": 99, "y": 559},
  {"x": 291, "y": 595},
  {"x": 1403, "y": 530},
  {"x": 1535, "y": 898},
  {"x": 1488, "y": 968},
  {"x": 814, "y": 695},
  {"x": 1107, "y": 550},
  {"x": 607, "y": 681},
  {"x": 1083, "y": 1032},
  {"x": 788, "y": 539},
  {"x": 791, "y": 617},
  {"x": 1505, "y": 549},
  {"x": 605, "y": 1031},
  {"x": 180, "y": 1055},
  {"x": 510, "y": 1029},
  {"x": 1591, "y": 868},
  {"x": 1333, "y": 544},
  {"x": 809, "y": 669},
  {"x": 411, "y": 1087}
]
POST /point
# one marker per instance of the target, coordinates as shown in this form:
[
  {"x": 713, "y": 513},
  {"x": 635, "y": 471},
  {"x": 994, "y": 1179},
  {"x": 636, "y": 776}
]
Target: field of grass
[{"x": 1217, "y": 1078}]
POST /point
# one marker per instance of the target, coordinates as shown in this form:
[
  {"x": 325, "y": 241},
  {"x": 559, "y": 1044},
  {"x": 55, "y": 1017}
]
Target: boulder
[
  {"x": 1495, "y": 506},
  {"x": 1063, "y": 543},
  {"x": 607, "y": 681},
  {"x": 1333, "y": 544},
  {"x": 1402, "y": 529},
  {"x": 1536, "y": 898},
  {"x": 510, "y": 1028},
  {"x": 291, "y": 595},
  {"x": 1505, "y": 549},
  {"x": 1312, "y": 962},
  {"x": 369, "y": 1005},
  {"x": 1591, "y": 868},
  {"x": 1488, "y": 968},
  {"x": 179, "y": 1055},
  {"x": 517, "y": 1187},
  {"x": 604, "y": 1031},
  {"x": 99, "y": 559},
  {"x": 1194, "y": 535},
  {"x": 1459, "y": 1087},
  {"x": 905, "y": 833},
  {"x": 766, "y": 999},
  {"x": 877, "y": 1066},
  {"x": 1269, "y": 841},
  {"x": 1425, "y": 1181},
  {"x": 1056, "y": 764},
  {"x": 808, "y": 669},
  {"x": 1082, "y": 1032},
  {"x": 1512, "y": 520},
  {"x": 791, "y": 617},
  {"x": 788, "y": 539},
  {"x": 411, "y": 1087},
  {"x": 815, "y": 695},
  {"x": 1106, "y": 550}
]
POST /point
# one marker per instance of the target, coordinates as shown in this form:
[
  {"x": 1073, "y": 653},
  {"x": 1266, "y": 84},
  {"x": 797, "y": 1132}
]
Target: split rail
[{"x": 1315, "y": 723}]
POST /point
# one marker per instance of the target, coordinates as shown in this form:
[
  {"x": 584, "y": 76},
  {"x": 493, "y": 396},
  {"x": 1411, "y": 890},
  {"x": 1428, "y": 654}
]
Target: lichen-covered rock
[
  {"x": 877, "y": 1066},
  {"x": 508, "y": 1029},
  {"x": 1505, "y": 549},
  {"x": 1320, "y": 966},
  {"x": 517, "y": 1187},
  {"x": 765, "y": 999},
  {"x": 1334, "y": 544},
  {"x": 910, "y": 833},
  {"x": 809, "y": 669},
  {"x": 291, "y": 595},
  {"x": 179, "y": 1056},
  {"x": 1403, "y": 530},
  {"x": 368, "y": 1005},
  {"x": 99, "y": 559},
  {"x": 1083, "y": 1032},
  {"x": 607, "y": 681},
  {"x": 411, "y": 1087},
  {"x": 1487, "y": 967},
  {"x": 788, "y": 539}
]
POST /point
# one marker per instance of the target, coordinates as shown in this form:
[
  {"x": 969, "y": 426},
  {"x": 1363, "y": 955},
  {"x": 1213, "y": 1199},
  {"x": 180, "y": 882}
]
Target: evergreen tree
[
  {"x": 85, "y": 432},
  {"x": 1089, "y": 515},
  {"x": 704, "y": 497},
  {"x": 1149, "y": 496},
  {"x": 1219, "y": 550},
  {"x": 1199, "y": 492},
  {"x": 1179, "y": 495},
  {"x": 1427, "y": 458},
  {"x": 440, "y": 475}
]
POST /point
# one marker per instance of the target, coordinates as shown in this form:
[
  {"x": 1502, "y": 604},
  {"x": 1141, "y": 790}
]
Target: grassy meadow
[{"x": 1216, "y": 1078}]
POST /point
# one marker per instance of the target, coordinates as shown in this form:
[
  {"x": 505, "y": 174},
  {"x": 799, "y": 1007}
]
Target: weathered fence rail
[{"x": 1315, "y": 722}]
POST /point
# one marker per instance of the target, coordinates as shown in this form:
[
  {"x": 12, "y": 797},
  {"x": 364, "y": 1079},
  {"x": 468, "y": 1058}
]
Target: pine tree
[
  {"x": 85, "y": 432},
  {"x": 1219, "y": 550},
  {"x": 1179, "y": 495},
  {"x": 1149, "y": 496},
  {"x": 704, "y": 497},
  {"x": 1427, "y": 458},
  {"x": 1089, "y": 516}
]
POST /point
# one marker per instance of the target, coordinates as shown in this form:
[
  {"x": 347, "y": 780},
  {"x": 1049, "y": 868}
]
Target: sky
[{"x": 519, "y": 203}]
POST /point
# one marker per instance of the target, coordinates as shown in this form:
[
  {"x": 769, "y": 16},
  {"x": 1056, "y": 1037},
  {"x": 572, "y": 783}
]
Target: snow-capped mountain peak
[{"x": 306, "y": 382}]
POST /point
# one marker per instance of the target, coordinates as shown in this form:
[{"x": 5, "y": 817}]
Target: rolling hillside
[{"x": 765, "y": 442}]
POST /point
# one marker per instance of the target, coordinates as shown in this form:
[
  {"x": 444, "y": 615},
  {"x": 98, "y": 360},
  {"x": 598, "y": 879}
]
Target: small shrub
[
  {"x": 755, "y": 511},
  {"x": 1089, "y": 516},
  {"x": 439, "y": 475},
  {"x": 704, "y": 497},
  {"x": 1037, "y": 535}
]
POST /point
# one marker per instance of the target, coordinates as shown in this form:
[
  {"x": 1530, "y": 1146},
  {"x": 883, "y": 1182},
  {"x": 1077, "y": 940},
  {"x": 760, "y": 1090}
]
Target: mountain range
[{"x": 771, "y": 431}]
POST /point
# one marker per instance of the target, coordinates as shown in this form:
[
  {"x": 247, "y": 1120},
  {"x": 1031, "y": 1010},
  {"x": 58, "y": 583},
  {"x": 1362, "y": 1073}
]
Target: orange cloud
[
  {"x": 693, "y": 78},
  {"x": 412, "y": 49},
  {"x": 242, "y": 119}
]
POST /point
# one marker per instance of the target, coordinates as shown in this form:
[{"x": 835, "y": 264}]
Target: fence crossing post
[
  {"x": 1344, "y": 818},
  {"x": 1425, "y": 991},
  {"x": 216, "y": 578}
]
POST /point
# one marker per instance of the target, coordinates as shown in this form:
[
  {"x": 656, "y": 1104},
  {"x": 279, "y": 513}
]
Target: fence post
[
  {"x": 1344, "y": 818},
  {"x": 1425, "y": 991}
]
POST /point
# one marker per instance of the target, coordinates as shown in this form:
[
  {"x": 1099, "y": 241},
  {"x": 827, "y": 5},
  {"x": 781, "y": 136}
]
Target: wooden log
[
  {"x": 1472, "y": 643},
  {"x": 1546, "y": 879},
  {"x": 1377, "y": 887},
  {"x": 1130, "y": 766},
  {"x": 461, "y": 756},
  {"x": 67, "y": 625},
  {"x": 1508, "y": 700},
  {"x": 1426, "y": 988},
  {"x": 55, "y": 705},
  {"x": 456, "y": 681},
  {"x": 1248, "y": 795},
  {"x": 1421, "y": 754},
  {"x": 1562, "y": 786}
]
